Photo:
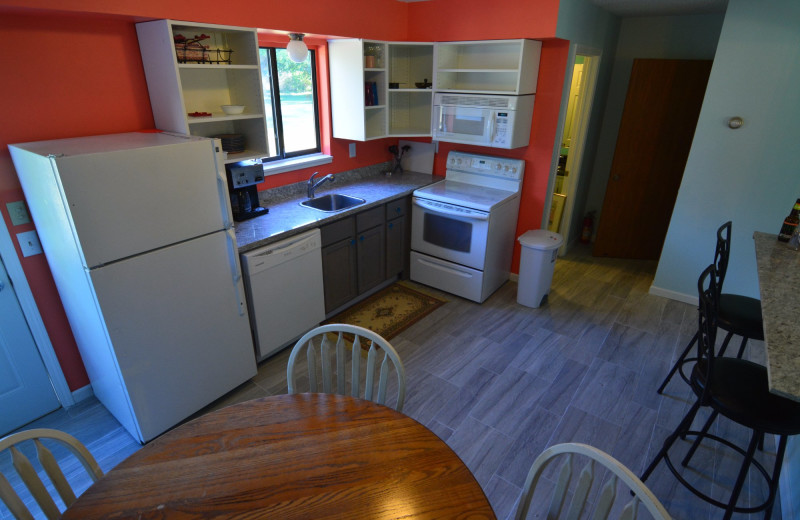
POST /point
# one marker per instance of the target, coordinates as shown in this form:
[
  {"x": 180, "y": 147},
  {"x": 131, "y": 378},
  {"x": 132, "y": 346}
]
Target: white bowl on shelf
[{"x": 233, "y": 110}]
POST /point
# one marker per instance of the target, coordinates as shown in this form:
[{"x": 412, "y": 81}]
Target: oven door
[
  {"x": 449, "y": 232},
  {"x": 468, "y": 125}
]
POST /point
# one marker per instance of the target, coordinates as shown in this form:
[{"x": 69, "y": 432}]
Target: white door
[{"x": 25, "y": 389}]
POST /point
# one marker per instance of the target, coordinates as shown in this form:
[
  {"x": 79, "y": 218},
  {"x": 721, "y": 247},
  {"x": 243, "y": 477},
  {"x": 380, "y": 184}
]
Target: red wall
[
  {"x": 73, "y": 68},
  {"x": 452, "y": 20}
]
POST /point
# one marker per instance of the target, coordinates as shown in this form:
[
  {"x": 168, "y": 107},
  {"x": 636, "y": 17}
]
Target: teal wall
[
  {"x": 583, "y": 23},
  {"x": 659, "y": 37},
  {"x": 751, "y": 175}
]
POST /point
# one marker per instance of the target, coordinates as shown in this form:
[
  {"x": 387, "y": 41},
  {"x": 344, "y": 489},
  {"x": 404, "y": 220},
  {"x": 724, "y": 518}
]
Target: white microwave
[{"x": 496, "y": 121}]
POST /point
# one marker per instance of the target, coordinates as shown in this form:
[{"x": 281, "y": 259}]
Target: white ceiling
[{"x": 654, "y": 7}]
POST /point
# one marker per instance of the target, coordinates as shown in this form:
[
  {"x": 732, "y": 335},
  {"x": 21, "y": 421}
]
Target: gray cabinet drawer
[
  {"x": 337, "y": 231},
  {"x": 369, "y": 218},
  {"x": 396, "y": 208}
]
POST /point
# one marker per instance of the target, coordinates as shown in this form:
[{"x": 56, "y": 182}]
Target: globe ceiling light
[{"x": 297, "y": 48}]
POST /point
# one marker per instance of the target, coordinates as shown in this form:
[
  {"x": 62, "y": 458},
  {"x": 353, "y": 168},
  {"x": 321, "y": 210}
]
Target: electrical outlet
[
  {"x": 352, "y": 149},
  {"x": 29, "y": 243},
  {"x": 18, "y": 213}
]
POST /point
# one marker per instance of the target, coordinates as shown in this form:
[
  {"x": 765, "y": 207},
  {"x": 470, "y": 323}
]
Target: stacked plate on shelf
[{"x": 232, "y": 143}]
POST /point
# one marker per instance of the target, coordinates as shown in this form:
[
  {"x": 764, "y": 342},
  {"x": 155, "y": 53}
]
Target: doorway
[
  {"x": 19, "y": 294},
  {"x": 25, "y": 390},
  {"x": 582, "y": 78}
]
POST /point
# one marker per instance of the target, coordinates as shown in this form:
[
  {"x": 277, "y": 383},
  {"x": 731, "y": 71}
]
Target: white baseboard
[
  {"x": 83, "y": 393},
  {"x": 674, "y": 295}
]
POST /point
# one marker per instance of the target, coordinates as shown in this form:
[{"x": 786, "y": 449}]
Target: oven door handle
[{"x": 472, "y": 215}]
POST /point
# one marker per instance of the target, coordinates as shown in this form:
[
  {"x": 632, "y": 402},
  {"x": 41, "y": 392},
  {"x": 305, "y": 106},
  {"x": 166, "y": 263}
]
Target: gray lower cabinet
[
  {"x": 361, "y": 252},
  {"x": 353, "y": 256},
  {"x": 339, "y": 263},
  {"x": 397, "y": 237}
]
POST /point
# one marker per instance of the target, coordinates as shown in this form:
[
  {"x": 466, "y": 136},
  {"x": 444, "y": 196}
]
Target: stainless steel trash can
[{"x": 536, "y": 265}]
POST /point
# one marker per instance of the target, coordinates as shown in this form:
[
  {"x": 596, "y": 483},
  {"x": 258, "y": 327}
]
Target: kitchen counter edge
[{"x": 287, "y": 217}]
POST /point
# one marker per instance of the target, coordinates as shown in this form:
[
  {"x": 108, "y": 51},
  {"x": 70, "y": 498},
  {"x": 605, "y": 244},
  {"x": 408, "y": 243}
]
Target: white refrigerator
[{"x": 137, "y": 231}]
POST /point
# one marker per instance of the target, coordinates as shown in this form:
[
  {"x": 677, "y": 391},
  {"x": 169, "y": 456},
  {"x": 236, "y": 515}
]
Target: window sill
[{"x": 296, "y": 163}]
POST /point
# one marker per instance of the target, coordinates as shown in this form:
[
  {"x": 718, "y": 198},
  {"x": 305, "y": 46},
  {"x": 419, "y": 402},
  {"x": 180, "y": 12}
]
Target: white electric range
[{"x": 462, "y": 228}]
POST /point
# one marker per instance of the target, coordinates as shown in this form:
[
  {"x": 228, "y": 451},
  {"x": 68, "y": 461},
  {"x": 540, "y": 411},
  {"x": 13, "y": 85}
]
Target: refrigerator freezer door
[
  {"x": 178, "y": 326},
  {"x": 128, "y": 201}
]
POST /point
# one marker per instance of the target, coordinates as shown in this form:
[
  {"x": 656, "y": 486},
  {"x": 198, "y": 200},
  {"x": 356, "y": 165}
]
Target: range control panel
[{"x": 493, "y": 166}]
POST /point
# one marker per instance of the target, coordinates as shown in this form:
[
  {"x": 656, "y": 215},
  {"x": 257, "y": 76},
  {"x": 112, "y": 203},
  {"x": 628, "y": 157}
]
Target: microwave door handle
[
  {"x": 445, "y": 211},
  {"x": 491, "y": 126}
]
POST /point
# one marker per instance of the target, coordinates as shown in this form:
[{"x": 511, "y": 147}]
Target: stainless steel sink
[{"x": 332, "y": 202}]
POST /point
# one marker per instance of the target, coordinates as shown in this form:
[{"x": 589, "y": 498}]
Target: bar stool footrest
[{"x": 713, "y": 501}]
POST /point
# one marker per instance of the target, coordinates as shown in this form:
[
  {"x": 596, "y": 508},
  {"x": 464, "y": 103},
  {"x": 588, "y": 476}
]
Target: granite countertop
[
  {"x": 287, "y": 217},
  {"x": 779, "y": 285}
]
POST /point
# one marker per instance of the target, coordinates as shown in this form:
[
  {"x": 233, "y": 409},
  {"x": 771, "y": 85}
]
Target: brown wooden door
[{"x": 655, "y": 135}]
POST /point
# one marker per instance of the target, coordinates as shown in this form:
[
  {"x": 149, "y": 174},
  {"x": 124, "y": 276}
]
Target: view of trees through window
[{"x": 292, "y": 113}]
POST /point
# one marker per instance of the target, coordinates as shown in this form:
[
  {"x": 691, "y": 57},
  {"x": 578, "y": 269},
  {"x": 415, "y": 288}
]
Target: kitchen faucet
[{"x": 313, "y": 185}]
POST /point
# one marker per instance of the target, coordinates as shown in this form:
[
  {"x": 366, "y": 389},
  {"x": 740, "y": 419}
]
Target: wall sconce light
[{"x": 297, "y": 48}]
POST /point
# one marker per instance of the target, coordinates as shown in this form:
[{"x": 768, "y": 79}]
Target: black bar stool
[
  {"x": 737, "y": 389},
  {"x": 737, "y": 315}
]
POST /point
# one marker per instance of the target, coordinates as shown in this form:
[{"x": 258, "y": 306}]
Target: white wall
[
  {"x": 751, "y": 175},
  {"x": 664, "y": 37}
]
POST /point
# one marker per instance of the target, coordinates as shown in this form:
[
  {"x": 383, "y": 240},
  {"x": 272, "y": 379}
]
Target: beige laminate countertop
[
  {"x": 779, "y": 285},
  {"x": 287, "y": 217}
]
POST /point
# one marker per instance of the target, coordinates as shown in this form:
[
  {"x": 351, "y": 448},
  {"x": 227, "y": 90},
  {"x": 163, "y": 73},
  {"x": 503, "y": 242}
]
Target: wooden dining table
[{"x": 290, "y": 456}]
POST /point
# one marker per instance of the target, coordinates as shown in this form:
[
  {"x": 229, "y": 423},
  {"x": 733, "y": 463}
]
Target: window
[{"x": 290, "y": 101}]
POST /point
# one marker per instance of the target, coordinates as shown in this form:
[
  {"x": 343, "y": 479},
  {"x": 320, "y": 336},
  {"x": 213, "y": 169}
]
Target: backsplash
[{"x": 290, "y": 191}]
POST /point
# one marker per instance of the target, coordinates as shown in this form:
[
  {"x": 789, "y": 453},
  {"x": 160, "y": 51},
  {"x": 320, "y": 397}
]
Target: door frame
[
  {"x": 590, "y": 75},
  {"x": 31, "y": 312}
]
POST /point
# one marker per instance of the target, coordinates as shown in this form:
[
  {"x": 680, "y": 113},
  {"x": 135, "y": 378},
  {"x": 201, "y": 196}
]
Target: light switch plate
[
  {"x": 29, "y": 243},
  {"x": 18, "y": 213},
  {"x": 352, "y": 149}
]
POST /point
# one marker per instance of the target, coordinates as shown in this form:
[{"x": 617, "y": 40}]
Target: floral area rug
[{"x": 390, "y": 311}]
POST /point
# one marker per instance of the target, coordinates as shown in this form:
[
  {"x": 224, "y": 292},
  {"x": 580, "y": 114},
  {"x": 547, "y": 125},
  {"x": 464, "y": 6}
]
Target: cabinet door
[
  {"x": 396, "y": 251},
  {"x": 371, "y": 248},
  {"x": 358, "y": 88},
  {"x": 339, "y": 273}
]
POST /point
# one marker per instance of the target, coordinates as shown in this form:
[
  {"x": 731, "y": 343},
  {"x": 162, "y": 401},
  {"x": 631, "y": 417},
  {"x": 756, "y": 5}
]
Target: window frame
[{"x": 278, "y": 113}]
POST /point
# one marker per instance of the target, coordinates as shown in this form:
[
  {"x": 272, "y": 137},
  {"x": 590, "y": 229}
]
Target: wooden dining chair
[
  {"x": 331, "y": 349},
  {"x": 17, "y": 444},
  {"x": 580, "y": 481}
]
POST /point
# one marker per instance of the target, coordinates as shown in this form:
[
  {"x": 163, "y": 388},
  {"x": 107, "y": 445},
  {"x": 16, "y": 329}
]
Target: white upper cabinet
[
  {"x": 374, "y": 91},
  {"x": 193, "y": 69},
  {"x": 489, "y": 67},
  {"x": 358, "y": 88}
]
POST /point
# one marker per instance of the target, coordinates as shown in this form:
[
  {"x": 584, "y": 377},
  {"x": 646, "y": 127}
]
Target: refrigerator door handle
[
  {"x": 224, "y": 200},
  {"x": 236, "y": 272}
]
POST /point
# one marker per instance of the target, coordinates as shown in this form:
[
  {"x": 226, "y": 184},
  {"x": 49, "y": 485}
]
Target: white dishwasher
[{"x": 285, "y": 295}]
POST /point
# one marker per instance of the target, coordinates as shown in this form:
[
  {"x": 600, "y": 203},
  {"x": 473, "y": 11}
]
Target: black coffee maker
[{"x": 243, "y": 176}]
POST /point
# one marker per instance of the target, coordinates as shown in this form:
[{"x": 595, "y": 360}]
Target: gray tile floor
[{"x": 500, "y": 382}]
